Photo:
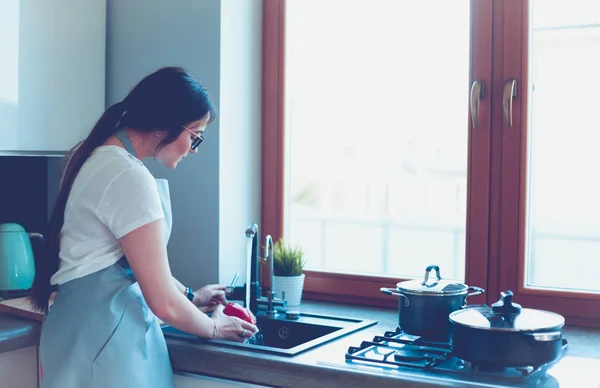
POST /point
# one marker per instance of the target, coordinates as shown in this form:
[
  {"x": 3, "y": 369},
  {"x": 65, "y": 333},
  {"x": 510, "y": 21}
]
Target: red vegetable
[{"x": 236, "y": 310}]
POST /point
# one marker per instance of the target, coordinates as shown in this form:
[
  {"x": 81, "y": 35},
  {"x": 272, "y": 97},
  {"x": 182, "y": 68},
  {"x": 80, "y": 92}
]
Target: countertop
[
  {"x": 17, "y": 332},
  {"x": 325, "y": 366}
]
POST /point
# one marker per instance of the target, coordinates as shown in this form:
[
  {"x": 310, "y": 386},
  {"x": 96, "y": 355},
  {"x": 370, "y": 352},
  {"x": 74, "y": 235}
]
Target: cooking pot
[
  {"x": 506, "y": 335},
  {"x": 424, "y": 306}
]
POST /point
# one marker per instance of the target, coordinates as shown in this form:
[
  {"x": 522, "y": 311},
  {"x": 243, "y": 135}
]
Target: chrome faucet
[
  {"x": 256, "y": 298},
  {"x": 252, "y": 232},
  {"x": 271, "y": 297},
  {"x": 269, "y": 257}
]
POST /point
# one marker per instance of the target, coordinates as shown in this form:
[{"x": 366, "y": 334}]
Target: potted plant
[{"x": 288, "y": 263}]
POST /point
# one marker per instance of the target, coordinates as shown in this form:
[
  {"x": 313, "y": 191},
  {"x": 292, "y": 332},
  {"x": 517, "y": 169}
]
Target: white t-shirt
[{"x": 113, "y": 194}]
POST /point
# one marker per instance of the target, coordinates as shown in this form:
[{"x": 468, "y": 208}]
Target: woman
[{"x": 107, "y": 243}]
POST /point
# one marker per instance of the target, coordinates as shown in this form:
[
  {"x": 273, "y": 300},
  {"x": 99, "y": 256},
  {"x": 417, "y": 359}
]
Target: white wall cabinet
[
  {"x": 186, "y": 380},
  {"x": 19, "y": 368},
  {"x": 52, "y": 73}
]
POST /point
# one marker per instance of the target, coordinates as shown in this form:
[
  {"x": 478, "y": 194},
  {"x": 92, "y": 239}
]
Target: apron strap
[{"x": 122, "y": 136}]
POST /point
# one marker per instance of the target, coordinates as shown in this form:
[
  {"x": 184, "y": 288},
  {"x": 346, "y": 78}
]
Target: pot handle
[
  {"x": 390, "y": 291},
  {"x": 472, "y": 291},
  {"x": 544, "y": 336}
]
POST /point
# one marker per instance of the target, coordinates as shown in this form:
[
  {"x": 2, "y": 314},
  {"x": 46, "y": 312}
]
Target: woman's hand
[
  {"x": 210, "y": 295},
  {"x": 232, "y": 328},
  {"x": 239, "y": 311}
]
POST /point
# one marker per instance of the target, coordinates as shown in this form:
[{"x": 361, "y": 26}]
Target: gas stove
[{"x": 401, "y": 353}]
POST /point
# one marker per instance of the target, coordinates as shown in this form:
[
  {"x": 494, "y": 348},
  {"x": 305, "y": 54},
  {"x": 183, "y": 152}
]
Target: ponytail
[
  {"x": 166, "y": 100},
  {"x": 47, "y": 263}
]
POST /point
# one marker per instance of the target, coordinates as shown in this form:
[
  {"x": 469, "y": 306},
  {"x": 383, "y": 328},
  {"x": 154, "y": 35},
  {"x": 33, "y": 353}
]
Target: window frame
[
  {"x": 494, "y": 205},
  {"x": 510, "y": 177}
]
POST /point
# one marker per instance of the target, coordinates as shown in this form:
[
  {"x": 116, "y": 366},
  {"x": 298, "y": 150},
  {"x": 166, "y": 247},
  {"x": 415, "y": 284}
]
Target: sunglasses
[{"x": 197, "y": 139}]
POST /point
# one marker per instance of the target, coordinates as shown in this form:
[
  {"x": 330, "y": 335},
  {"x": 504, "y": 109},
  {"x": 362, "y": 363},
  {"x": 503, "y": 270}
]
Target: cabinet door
[
  {"x": 19, "y": 368},
  {"x": 52, "y": 72},
  {"x": 186, "y": 380}
]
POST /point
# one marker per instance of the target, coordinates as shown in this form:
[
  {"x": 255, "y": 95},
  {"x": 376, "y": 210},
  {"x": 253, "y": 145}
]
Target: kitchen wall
[
  {"x": 240, "y": 130},
  {"x": 215, "y": 194}
]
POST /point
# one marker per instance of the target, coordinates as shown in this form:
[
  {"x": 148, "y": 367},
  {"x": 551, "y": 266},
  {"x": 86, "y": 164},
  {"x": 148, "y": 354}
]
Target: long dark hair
[{"x": 165, "y": 100}]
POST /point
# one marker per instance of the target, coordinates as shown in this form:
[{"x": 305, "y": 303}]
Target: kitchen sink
[{"x": 287, "y": 334}]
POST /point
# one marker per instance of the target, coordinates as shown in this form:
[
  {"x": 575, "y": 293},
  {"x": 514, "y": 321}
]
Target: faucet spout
[{"x": 252, "y": 232}]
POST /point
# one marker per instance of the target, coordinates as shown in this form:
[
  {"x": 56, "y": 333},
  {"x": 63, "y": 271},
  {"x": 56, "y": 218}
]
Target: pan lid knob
[{"x": 506, "y": 307}]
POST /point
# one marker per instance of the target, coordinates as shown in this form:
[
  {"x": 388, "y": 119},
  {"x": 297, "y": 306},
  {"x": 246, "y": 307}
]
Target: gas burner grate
[
  {"x": 398, "y": 349},
  {"x": 400, "y": 337}
]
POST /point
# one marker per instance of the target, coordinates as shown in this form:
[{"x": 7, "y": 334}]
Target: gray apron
[{"x": 100, "y": 332}]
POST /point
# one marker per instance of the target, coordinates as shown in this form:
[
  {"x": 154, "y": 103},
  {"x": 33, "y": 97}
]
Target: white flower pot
[{"x": 292, "y": 286}]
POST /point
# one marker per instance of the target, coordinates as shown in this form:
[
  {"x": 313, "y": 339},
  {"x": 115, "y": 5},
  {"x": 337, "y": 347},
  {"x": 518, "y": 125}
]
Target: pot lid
[
  {"x": 507, "y": 316},
  {"x": 435, "y": 287},
  {"x": 11, "y": 227}
]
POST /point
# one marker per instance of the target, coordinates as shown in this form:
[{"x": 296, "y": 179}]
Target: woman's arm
[
  {"x": 145, "y": 249},
  {"x": 180, "y": 287}
]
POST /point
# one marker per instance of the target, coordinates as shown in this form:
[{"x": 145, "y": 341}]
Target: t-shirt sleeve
[{"x": 130, "y": 201}]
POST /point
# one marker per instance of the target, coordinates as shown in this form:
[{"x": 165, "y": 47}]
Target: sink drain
[{"x": 283, "y": 332}]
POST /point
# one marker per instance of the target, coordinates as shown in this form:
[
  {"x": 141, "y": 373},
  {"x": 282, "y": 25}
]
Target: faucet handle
[
  {"x": 268, "y": 245},
  {"x": 273, "y": 294}
]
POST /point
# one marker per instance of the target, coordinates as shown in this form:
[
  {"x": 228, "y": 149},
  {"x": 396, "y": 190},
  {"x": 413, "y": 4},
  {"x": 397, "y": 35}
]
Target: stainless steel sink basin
[{"x": 286, "y": 334}]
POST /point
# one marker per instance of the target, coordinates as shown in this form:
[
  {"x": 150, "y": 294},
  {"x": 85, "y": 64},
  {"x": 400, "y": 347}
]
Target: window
[{"x": 390, "y": 144}]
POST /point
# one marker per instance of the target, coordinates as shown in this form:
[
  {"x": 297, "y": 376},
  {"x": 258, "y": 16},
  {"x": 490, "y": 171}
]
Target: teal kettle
[{"x": 17, "y": 266}]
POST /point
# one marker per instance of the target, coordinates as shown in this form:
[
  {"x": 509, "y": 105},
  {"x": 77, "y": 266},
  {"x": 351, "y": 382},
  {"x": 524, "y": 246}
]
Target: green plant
[{"x": 287, "y": 260}]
